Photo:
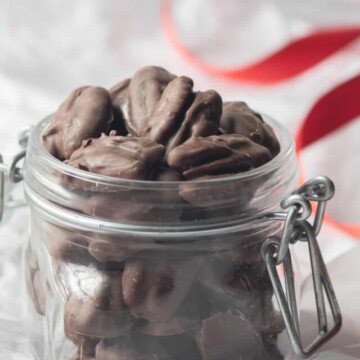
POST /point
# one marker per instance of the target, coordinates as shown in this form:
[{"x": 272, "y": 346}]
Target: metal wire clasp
[
  {"x": 275, "y": 251},
  {"x": 13, "y": 172}
]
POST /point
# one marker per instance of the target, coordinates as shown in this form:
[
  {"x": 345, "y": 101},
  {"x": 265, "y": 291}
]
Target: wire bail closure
[
  {"x": 13, "y": 172},
  {"x": 275, "y": 251}
]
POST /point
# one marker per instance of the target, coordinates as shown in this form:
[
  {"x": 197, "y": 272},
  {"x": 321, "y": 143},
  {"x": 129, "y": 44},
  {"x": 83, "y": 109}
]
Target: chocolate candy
[
  {"x": 118, "y": 156},
  {"x": 230, "y": 336},
  {"x": 180, "y": 114},
  {"x": 154, "y": 287},
  {"x": 66, "y": 245},
  {"x": 111, "y": 248},
  {"x": 170, "y": 110},
  {"x": 238, "y": 118},
  {"x": 86, "y": 113},
  {"x": 217, "y": 155},
  {"x": 100, "y": 311},
  {"x": 145, "y": 90}
]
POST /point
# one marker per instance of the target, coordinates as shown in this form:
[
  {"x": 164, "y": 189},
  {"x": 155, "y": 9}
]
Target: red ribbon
[
  {"x": 292, "y": 60},
  {"x": 337, "y": 108}
]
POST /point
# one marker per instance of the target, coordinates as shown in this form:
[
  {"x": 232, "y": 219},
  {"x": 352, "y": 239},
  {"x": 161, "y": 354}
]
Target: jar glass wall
[{"x": 153, "y": 270}]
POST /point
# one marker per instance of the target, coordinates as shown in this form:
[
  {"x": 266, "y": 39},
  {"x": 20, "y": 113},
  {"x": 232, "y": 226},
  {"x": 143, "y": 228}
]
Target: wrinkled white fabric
[{"x": 49, "y": 47}]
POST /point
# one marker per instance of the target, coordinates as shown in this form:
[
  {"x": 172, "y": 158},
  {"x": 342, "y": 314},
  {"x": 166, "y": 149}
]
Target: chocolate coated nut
[
  {"x": 232, "y": 288},
  {"x": 126, "y": 348},
  {"x": 163, "y": 173},
  {"x": 217, "y": 155},
  {"x": 221, "y": 199},
  {"x": 238, "y": 118},
  {"x": 230, "y": 336},
  {"x": 155, "y": 287},
  {"x": 169, "y": 112},
  {"x": 86, "y": 113},
  {"x": 145, "y": 89},
  {"x": 180, "y": 115},
  {"x": 110, "y": 248},
  {"x": 118, "y": 156},
  {"x": 102, "y": 313},
  {"x": 66, "y": 246},
  {"x": 139, "y": 204},
  {"x": 119, "y": 95}
]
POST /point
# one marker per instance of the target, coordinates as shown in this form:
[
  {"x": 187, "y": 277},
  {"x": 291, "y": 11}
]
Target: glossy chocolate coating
[
  {"x": 217, "y": 155},
  {"x": 230, "y": 336},
  {"x": 102, "y": 313},
  {"x": 155, "y": 287},
  {"x": 180, "y": 114},
  {"x": 145, "y": 90},
  {"x": 66, "y": 245},
  {"x": 86, "y": 113},
  {"x": 118, "y": 156},
  {"x": 238, "y": 118},
  {"x": 111, "y": 248}
]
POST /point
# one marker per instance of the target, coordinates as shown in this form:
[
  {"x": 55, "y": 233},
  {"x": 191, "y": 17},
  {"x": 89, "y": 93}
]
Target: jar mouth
[
  {"x": 73, "y": 196},
  {"x": 286, "y": 149}
]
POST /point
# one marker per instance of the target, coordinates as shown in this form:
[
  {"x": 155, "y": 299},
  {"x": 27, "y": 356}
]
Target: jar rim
[{"x": 284, "y": 137}]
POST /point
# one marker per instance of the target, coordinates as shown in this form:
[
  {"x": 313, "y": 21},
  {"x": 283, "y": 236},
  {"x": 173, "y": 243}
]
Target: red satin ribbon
[
  {"x": 337, "y": 108},
  {"x": 292, "y": 60}
]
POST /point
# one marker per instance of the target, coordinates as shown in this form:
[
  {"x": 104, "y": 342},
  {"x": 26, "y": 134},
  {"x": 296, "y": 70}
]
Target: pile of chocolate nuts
[{"x": 144, "y": 303}]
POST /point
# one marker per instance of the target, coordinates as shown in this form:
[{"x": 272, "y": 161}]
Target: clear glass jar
[{"x": 152, "y": 270}]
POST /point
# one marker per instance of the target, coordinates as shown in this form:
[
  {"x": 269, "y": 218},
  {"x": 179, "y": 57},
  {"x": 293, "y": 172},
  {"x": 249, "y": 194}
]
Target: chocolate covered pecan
[
  {"x": 99, "y": 311},
  {"x": 86, "y": 113},
  {"x": 145, "y": 89},
  {"x": 238, "y": 118},
  {"x": 138, "y": 204},
  {"x": 180, "y": 114},
  {"x": 154, "y": 287},
  {"x": 217, "y": 155},
  {"x": 67, "y": 246},
  {"x": 118, "y": 156}
]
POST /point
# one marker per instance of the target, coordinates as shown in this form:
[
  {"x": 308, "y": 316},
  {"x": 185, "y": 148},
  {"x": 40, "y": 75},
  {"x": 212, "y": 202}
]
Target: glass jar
[{"x": 152, "y": 270}]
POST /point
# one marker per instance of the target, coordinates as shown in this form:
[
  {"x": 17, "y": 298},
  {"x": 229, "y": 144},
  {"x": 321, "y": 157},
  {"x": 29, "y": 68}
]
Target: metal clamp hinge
[
  {"x": 14, "y": 172},
  {"x": 275, "y": 251}
]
